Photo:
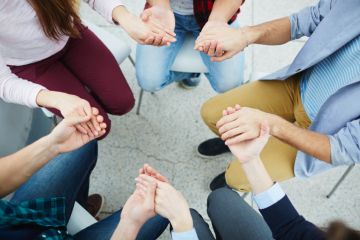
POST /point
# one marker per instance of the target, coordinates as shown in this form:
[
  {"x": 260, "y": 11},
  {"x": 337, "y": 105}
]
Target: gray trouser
[{"x": 232, "y": 218}]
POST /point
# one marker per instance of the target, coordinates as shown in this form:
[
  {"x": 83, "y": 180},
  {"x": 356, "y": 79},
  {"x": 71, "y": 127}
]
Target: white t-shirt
[{"x": 182, "y": 7}]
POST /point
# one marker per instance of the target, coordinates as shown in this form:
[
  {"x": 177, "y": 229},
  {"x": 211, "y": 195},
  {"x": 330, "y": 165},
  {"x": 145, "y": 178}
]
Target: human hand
[
  {"x": 65, "y": 137},
  {"x": 241, "y": 123},
  {"x": 222, "y": 43},
  {"x": 209, "y": 46},
  {"x": 152, "y": 172},
  {"x": 71, "y": 105},
  {"x": 162, "y": 18},
  {"x": 170, "y": 204},
  {"x": 251, "y": 148},
  {"x": 144, "y": 29},
  {"x": 140, "y": 206}
]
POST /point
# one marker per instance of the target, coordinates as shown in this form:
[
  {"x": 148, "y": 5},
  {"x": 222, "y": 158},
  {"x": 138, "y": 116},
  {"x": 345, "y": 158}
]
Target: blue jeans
[
  {"x": 153, "y": 64},
  {"x": 68, "y": 176}
]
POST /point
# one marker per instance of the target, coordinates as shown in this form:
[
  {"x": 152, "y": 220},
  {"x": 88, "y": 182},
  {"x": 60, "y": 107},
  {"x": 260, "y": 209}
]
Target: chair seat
[
  {"x": 79, "y": 219},
  {"x": 188, "y": 59}
]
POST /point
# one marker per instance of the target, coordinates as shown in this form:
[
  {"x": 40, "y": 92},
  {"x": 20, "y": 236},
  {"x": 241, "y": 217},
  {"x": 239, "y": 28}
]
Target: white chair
[
  {"x": 188, "y": 60},
  {"x": 79, "y": 219}
]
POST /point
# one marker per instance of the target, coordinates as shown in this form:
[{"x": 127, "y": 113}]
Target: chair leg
[
  {"x": 245, "y": 195},
  {"x": 140, "y": 101},
  {"x": 340, "y": 180},
  {"x": 131, "y": 60}
]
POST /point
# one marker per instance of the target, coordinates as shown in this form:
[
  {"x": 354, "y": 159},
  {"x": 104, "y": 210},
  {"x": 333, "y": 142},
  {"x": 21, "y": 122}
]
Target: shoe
[
  {"x": 212, "y": 147},
  {"x": 218, "y": 182},
  {"x": 94, "y": 204},
  {"x": 190, "y": 83}
]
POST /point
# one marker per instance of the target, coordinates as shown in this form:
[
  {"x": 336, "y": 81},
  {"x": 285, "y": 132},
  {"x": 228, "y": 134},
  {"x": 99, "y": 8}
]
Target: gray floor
[{"x": 169, "y": 129}]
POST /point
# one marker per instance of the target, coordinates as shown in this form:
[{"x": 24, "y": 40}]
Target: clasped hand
[{"x": 155, "y": 195}]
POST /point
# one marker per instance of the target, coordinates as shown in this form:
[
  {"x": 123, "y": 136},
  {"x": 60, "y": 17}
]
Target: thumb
[{"x": 145, "y": 15}]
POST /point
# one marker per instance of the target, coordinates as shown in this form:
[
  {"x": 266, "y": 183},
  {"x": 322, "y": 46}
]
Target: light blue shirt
[
  {"x": 328, "y": 76},
  {"x": 269, "y": 197},
  {"x": 189, "y": 235}
]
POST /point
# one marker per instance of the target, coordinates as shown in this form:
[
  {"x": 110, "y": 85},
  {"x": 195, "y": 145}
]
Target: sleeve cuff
[
  {"x": 33, "y": 96},
  {"x": 269, "y": 197},
  {"x": 294, "y": 27},
  {"x": 189, "y": 235},
  {"x": 110, "y": 6}
]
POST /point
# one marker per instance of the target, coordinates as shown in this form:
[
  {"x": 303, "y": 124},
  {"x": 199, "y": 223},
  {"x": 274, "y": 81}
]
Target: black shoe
[
  {"x": 212, "y": 147},
  {"x": 190, "y": 83},
  {"x": 218, "y": 182}
]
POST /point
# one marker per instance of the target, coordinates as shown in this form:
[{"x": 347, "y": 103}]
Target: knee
[
  {"x": 150, "y": 80},
  {"x": 209, "y": 113},
  {"x": 218, "y": 199},
  {"x": 122, "y": 104},
  {"x": 228, "y": 85}
]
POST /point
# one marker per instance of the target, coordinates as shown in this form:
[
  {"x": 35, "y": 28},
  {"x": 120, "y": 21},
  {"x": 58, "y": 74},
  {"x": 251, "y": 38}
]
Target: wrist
[
  {"x": 251, "y": 34},
  {"x": 164, "y": 4},
  {"x": 120, "y": 15},
  {"x": 276, "y": 125},
  {"x": 218, "y": 18},
  {"x": 52, "y": 144},
  {"x": 126, "y": 230},
  {"x": 182, "y": 223}
]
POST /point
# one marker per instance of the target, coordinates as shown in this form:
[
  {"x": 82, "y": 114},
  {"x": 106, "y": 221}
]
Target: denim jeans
[
  {"x": 153, "y": 64},
  {"x": 231, "y": 217},
  {"x": 68, "y": 176}
]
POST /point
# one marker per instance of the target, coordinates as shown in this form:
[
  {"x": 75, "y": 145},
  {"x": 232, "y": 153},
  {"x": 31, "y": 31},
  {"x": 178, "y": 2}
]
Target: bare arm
[
  {"x": 243, "y": 125},
  {"x": 223, "y": 10},
  {"x": 309, "y": 142},
  {"x": 275, "y": 32},
  {"x": 17, "y": 168},
  {"x": 161, "y": 3}
]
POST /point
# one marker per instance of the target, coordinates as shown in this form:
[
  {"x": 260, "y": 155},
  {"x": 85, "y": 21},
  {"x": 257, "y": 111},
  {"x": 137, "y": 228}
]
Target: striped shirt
[{"x": 328, "y": 76}]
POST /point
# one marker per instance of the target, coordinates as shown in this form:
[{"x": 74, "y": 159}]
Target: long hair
[
  {"x": 57, "y": 17},
  {"x": 339, "y": 231}
]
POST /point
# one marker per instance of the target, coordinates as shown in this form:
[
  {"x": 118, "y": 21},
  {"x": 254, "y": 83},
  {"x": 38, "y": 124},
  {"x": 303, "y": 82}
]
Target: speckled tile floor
[{"x": 169, "y": 129}]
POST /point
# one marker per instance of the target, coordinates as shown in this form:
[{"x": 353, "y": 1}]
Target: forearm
[
  {"x": 309, "y": 142},
  {"x": 161, "y": 3},
  {"x": 275, "y": 32},
  {"x": 257, "y": 176},
  {"x": 17, "y": 168},
  {"x": 125, "y": 231},
  {"x": 223, "y": 10},
  {"x": 48, "y": 99}
]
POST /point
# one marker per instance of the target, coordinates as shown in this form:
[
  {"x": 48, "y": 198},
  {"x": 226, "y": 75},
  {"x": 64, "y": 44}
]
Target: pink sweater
[{"x": 22, "y": 41}]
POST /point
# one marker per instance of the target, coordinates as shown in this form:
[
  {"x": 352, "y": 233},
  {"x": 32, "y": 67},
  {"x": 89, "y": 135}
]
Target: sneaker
[
  {"x": 94, "y": 204},
  {"x": 212, "y": 147},
  {"x": 190, "y": 83},
  {"x": 218, "y": 182}
]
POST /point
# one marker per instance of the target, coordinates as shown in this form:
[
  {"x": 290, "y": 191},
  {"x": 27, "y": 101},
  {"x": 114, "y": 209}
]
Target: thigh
[
  {"x": 268, "y": 96},
  {"x": 201, "y": 227},
  {"x": 58, "y": 78},
  {"x": 61, "y": 177},
  {"x": 96, "y": 68},
  {"x": 104, "y": 229},
  {"x": 233, "y": 218},
  {"x": 278, "y": 158},
  {"x": 225, "y": 75},
  {"x": 153, "y": 64}
]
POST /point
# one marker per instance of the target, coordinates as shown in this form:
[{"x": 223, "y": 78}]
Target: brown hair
[
  {"x": 339, "y": 231},
  {"x": 57, "y": 17}
]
